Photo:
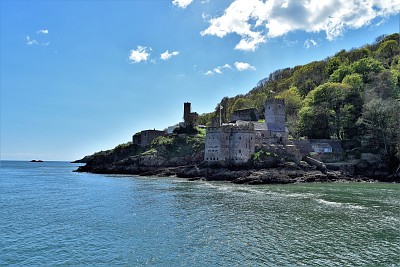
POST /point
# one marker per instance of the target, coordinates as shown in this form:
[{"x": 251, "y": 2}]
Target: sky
[{"x": 78, "y": 77}]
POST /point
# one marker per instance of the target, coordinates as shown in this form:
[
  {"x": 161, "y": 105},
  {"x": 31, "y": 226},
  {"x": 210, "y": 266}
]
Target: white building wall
[
  {"x": 229, "y": 144},
  {"x": 212, "y": 151},
  {"x": 242, "y": 145}
]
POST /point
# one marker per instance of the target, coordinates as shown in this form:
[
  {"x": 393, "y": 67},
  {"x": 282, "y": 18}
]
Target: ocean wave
[{"x": 339, "y": 204}]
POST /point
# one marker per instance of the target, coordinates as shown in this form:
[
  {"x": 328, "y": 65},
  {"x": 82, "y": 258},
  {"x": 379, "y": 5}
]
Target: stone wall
[
  {"x": 250, "y": 114},
  {"x": 275, "y": 111},
  {"x": 304, "y": 146},
  {"x": 144, "y": 138},
  {"x": 229, "y": 144}
]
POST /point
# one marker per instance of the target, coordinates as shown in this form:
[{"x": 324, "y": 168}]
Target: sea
[{"x": 52, "y": 216}]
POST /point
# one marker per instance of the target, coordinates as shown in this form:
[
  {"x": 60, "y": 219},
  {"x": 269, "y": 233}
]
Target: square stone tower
[
  {"x": 186, "y": 112},
  {"x": 275, "y": 112}
]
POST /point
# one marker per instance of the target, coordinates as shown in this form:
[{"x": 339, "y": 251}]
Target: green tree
[
  {"x": 387, "y": 51},
  {"x": 206, "y": 118},
  {"x": 380, "y": 124},
  {"x": 355, "y": 81},
  {"x": 352, "y": 108},
  {"x": 338, "y": 75},
  {"x": 324, "y": 105},
  {"x": 331, "y": 97},
  {"x": 357, "y": 54},
  {"x": 382, "y": 85},
  {"x": 316, "y": 122},
  {"x": 309, "y": 76},
  {"x": 333, "y": 64},
  {"x": 367, "y": 67},
  {"x": 242, "y": 103},
  {"x": 293, "y": 100}
]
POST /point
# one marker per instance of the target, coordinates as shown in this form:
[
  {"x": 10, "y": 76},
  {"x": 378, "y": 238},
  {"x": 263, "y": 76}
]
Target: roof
[
  {"x": 274, "y": 127},
  {"x": 260, "y": 126},
  {"x": 245, "y": 110}
]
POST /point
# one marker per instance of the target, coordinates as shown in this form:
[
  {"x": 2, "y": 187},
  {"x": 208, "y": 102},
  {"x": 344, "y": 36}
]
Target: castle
[
  {"x": 144, "y": 138},
  {"x": 190, "y": 118},
  {"x": 236, "y": 142}
]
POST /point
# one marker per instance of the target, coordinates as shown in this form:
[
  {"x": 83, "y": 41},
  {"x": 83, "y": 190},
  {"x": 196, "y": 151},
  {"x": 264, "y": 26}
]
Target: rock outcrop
[{"x": 192, "y": 167}]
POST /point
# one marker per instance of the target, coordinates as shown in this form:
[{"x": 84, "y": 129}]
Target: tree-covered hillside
[{"x": 354, "y": 95}]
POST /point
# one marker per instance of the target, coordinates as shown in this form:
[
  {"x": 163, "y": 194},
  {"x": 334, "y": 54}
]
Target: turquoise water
[{"x": 52, "y": 216}]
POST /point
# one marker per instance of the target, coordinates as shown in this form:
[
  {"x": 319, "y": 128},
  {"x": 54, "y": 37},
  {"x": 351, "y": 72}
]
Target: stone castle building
[
  {"x": 230, "y": 142},
  {"x": 236, "y": 142},
  {"x": 190, "y": 118},
  {"x": 248, "y": 114},
  {"x": 145, "y": 137}
]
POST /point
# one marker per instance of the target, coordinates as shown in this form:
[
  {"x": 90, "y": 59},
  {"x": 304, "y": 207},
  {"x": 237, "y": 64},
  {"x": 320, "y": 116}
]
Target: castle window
[
  {"x": 240, "y": 151},
  {"x": 279, "y": 106},
  {"x": 251, "y": 138},
  {"x": 240, "y": 137}
]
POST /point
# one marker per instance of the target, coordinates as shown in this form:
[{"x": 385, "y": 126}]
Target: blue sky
[{"x": 83, "y": 76}]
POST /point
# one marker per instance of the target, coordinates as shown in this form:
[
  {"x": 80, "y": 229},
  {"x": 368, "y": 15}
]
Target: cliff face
[
  {"x": 140, "y": 164},
  {"x": 163, "y": 152}
]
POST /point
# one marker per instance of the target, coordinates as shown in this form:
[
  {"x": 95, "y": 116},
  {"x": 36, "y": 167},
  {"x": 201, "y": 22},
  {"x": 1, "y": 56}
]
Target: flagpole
[{"x": 220, "y": 115}]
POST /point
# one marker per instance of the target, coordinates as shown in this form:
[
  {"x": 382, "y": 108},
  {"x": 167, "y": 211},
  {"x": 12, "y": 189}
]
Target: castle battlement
[
  {"x": 236, "y": 142},
  {"x": 275, "y": 101}
]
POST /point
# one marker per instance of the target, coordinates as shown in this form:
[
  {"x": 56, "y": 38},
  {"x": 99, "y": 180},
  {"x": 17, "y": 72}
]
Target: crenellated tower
[
  {"x": 186, "y": 112},
  {"x": 275, "y": 112}
]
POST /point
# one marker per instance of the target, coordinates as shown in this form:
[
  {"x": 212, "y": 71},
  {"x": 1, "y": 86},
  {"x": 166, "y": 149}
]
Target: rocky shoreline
[
  {"x": 269, "y": 171},
  {"x": 285, "y": 173}
]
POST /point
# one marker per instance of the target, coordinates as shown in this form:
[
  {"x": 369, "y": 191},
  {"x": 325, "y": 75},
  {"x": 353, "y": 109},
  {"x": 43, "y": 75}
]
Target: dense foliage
[{"x": 352, "y": 95}]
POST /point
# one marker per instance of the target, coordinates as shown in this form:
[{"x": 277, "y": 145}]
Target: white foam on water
[{"x": 338, "y": 204}]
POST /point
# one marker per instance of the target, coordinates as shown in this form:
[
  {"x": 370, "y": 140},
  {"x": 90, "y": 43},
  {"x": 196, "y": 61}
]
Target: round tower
[{"x": 275, "y": 111}]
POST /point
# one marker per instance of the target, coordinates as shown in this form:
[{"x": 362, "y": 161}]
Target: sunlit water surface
[{"x": 52, "y": 216}]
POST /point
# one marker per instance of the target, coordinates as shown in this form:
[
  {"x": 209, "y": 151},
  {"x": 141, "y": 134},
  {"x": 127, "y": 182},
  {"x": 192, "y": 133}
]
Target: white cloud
[
  {"x": 42, "y": 31},
  {"x": 182, "y": 3},
  {"x": 166, "y": 55},
  {"x": 256, "y": 21},
  {"x": 235, "y": 20},
  {"x": 138, "y": 55},
  {"x": 310, "y": 43},
  {"x": 289, "y": 43},
  {"x": 241, "y": 66},
  {"x": 218, "y": 70},
  {"x": 205, "y": 16},
  {"x": 38, "y": 40},
  {"x": 30, "y": 41}
]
